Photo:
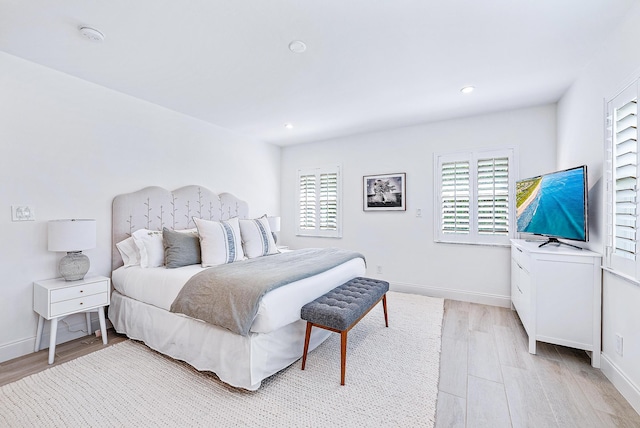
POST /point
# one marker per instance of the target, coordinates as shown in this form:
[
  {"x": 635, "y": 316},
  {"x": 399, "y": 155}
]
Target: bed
[{"x": 144, "y": 297}]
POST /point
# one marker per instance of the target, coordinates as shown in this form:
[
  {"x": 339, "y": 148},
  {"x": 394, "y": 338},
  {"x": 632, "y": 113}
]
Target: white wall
[
  {"x": 581, "y": 140},
  {"x": 69, "y": 147},
  {"x": 401, "y": 243}
]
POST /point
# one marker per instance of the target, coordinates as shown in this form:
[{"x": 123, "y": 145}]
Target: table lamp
[
  {"x": 274, "y": 225},
  {"x": 72, "y": 236}
]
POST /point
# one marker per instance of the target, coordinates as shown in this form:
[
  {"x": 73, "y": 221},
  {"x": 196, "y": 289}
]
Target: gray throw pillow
[{"x": 180, "y": 248}]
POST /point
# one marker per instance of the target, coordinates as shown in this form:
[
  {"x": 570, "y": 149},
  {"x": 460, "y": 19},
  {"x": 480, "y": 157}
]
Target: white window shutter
[
  {"x": 493, "y": 196},
  {"x": 621, "y": 174},
  {"x": 307, "y": 202},
  {"x": 624, "y": 180},
  {"x": 474, "y": 196},
  {"x": 455, "y": 195},
  {"x": 319, "y": 202}
]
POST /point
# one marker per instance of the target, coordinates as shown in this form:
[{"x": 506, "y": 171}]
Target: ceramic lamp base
[{"x": 74, "y": 266}]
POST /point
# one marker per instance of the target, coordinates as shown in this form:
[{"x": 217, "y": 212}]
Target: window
[
  {"x": 319, "y": 202},
  {"x": 473, "y": 202},
  {"x": 622, "y": 181}
]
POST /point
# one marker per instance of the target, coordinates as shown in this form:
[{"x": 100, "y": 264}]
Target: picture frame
[{"x": 384, "y": 192}]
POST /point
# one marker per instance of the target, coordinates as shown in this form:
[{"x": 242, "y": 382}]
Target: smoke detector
[{"x": 92, "y": 34}]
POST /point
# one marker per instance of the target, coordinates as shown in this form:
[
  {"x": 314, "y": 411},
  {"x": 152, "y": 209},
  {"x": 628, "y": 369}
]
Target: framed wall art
[{"x": 385, "y": 192}]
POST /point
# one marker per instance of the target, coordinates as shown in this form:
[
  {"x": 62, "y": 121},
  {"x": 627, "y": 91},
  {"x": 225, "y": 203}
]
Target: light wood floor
[
  {"x": 489, "y": 379},
  {"x": 18, "y": 368}
]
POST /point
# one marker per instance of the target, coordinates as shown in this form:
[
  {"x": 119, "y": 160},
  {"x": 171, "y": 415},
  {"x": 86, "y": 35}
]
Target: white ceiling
[{"x": 370, "y": 64}]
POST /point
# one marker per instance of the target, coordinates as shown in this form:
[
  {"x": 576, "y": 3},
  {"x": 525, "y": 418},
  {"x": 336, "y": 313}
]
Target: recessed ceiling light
[
  {"x": 467, "y": 89},
  {"x": 297, "y": 46},
  {"x": 288, "y": 125},
  {"x": 91, "y": 34}
]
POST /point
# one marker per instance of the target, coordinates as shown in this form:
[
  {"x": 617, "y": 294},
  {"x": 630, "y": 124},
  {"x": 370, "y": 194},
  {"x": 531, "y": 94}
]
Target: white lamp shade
[
  {"x": 274, "y": 223},
  {"x": 72, "y": 235}
]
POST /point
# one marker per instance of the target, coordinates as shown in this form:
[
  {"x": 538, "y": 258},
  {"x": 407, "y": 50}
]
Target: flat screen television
[{"x": 554, "y": 205}]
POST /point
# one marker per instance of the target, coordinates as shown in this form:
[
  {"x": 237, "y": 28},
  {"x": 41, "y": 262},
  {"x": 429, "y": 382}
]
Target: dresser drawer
[
  {"x": 79, "y": 291},
  {"x": 79, "y": 304},
  {"x": 521, "y": 258}
]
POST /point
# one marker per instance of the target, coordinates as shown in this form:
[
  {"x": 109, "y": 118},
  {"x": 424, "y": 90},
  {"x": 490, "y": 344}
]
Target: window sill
[{"x": 484, "y": 244}]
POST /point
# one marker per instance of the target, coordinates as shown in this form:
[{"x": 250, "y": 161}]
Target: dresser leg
[
  {"x": 39, "y": 332},
  {"x": 103, "y": 325},
  {"x": 52, "y": 339}
]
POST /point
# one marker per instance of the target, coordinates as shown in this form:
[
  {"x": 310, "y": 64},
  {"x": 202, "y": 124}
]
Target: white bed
[{"x": 142, "y": 297}]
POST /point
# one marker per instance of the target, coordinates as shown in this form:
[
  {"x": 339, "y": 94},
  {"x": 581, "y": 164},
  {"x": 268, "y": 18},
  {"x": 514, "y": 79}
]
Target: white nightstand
[{"x": 54, "y": 299}]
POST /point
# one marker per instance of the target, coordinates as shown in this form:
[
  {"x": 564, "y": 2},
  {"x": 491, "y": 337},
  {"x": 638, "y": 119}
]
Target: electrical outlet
[
  {"x": 379, "y": 270},
  {"x": 22, "y": 213},
  {"x": 619, "y": 344}
]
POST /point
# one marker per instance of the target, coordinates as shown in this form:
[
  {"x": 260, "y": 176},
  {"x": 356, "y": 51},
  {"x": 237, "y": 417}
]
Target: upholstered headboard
[{"x": 154, "y": 208}]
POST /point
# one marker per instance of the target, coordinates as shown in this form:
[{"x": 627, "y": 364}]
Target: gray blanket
[{"x": 229, "y": 295}]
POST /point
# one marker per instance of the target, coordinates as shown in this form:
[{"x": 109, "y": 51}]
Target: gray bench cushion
[{"x": 342, "y": 306}]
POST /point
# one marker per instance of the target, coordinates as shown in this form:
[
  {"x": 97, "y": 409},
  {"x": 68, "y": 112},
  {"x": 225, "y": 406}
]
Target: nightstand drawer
[
  {"x": 79, "y": 304},
  {"x": 78, "y": 291}
]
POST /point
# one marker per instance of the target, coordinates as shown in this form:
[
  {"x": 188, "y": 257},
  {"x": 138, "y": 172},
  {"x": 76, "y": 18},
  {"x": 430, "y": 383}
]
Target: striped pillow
[
  {"x": 257, "y": 239},
  {"x": 220, "y": 241}
]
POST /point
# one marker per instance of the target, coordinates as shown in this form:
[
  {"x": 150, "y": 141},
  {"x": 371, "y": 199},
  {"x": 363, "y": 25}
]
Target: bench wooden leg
[
  {"x": 306, "y": 344},
  {"x": 343, "y": 355},
  {"x": 384, "y": 306}
]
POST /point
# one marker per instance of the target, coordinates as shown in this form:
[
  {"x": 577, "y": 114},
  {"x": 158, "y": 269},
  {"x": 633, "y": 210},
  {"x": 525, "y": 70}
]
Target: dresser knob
[
  {"x": 81, "y": 303},
  {"x": 82, "y": 291}
]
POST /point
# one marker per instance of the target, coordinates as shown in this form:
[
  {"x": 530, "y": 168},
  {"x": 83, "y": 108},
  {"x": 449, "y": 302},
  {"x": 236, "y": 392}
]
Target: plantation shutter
[
  {"x": 455, "y": 197},
  {"x": 307, "y": 202},
  {"x": 626, "y": 168},
  {"x": 319, "y": 209},
  {"x": 622, "y": 186},
  {"x": 474, "y": 196},
  {"x": 493, "y": 196},
  {"x": 329, "y": 201}
]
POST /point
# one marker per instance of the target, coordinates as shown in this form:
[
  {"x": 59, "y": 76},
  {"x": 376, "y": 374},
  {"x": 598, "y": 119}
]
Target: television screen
[{"x": 554, "y": 205}]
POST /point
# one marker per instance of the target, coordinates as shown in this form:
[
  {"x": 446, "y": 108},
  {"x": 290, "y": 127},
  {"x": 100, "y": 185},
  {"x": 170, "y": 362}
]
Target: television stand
[{"x": 556, "y": 241}]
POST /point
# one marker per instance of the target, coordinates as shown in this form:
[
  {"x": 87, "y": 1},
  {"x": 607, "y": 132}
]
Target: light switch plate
[{"x": 22, "y": 213}]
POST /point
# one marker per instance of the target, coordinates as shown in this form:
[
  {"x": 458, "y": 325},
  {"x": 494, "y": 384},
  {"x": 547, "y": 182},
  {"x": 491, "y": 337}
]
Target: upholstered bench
[{"x": 341, "y": 308}]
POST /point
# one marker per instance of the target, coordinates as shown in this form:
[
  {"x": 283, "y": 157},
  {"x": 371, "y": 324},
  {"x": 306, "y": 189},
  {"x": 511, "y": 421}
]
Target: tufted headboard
[{"x": 154, "y": 208}]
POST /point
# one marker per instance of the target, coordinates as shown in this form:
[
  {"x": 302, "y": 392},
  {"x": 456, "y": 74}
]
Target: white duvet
[{"x": 278, "y": 308}]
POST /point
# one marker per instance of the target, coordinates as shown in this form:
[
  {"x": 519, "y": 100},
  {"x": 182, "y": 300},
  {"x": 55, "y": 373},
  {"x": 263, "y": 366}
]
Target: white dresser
[{"x": 557, "y": 291}]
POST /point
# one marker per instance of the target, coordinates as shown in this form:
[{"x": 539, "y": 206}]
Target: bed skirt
[{"x": 245, "y": 361}]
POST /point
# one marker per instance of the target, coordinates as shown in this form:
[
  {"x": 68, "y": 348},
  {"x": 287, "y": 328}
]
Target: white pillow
[
  {"x": 257, "y": 239},
  {"x": 220, "y": 241},
  {"x": 150, "y": 246},
  {"x": 129, "y": 252}
]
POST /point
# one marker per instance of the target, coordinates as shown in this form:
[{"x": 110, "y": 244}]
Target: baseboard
[
  {"x": 453, "y": 294},
  {"x": 73, "y": 327},
  {"x": 622, "y": 383}
]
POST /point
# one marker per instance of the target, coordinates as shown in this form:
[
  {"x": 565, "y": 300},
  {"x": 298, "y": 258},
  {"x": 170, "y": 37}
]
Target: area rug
[{"x": 391, "y": 380}]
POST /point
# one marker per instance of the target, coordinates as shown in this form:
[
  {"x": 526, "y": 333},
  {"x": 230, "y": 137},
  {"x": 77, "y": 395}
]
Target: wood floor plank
[
  {"x": 453, "y": 366},
  {"x": 480, "y": 318},
  {"x": 486, "y": 404},
  {"x": 615, "y": 421},
  {"x": 603, "y": 395},
  {"x": 511, "y": 350},
  {"x": 569, "y": 404},
  {"x": 450, "y": 411},
  {"x": 483, "y": 356},
  {"x": 527, "y": 401},
  {"x": 456, "y": 320}
]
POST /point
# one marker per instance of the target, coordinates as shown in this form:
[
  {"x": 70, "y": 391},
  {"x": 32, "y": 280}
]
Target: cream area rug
[{"x": 391, "y": 381}]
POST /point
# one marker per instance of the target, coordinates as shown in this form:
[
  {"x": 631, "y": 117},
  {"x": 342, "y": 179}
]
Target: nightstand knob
[
  {"x": 82, "y": 291},
  {"x": 81, "y": 303}
]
